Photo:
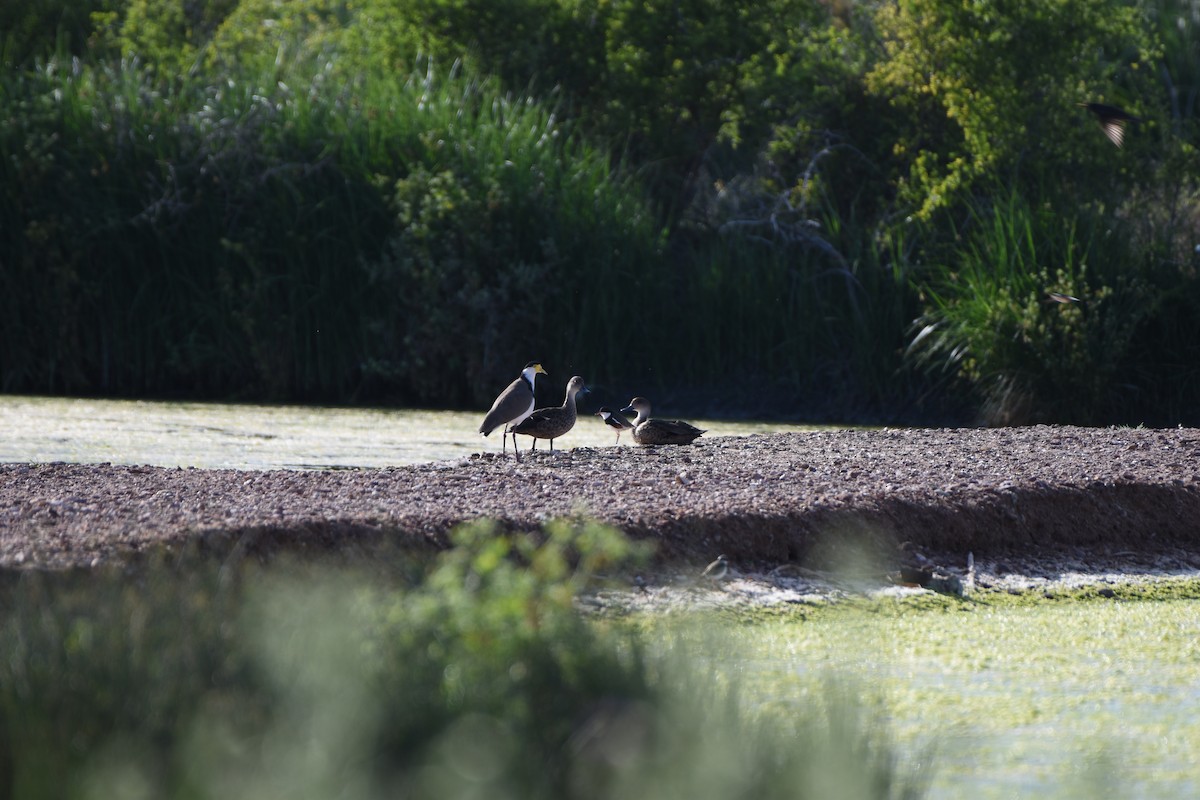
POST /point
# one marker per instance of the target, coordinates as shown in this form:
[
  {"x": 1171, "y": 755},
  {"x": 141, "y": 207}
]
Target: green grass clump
[
  {"x": 994, "y": 322},
  {"x": 197, "y": 677}
]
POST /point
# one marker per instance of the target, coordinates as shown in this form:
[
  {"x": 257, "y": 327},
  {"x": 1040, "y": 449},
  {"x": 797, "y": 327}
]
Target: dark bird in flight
[{"x": 1112, "y": 120}]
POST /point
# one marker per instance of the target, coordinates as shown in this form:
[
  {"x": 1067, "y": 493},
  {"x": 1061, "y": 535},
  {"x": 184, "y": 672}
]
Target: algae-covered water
[
  {"x": 1074, "y": 699},
  {"x": 242, "y": 436}
]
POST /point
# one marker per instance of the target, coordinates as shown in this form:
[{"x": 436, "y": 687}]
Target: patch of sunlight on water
[
  {"x": 1009, "y": 702},
  {"x": 239, "y": 436}
]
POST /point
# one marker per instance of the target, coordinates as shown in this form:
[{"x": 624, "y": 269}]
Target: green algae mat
[{"x": 998, "y": 695}]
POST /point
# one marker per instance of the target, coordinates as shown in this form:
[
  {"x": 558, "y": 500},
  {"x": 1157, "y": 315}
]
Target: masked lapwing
[{"x": 514, "y": 404}]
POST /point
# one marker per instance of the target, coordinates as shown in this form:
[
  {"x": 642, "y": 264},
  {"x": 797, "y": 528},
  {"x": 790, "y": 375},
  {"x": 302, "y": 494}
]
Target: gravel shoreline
[{"x": 1097, "y": 497}]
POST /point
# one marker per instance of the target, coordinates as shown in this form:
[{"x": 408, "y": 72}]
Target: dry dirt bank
[{"x": 1091, "y": 496}]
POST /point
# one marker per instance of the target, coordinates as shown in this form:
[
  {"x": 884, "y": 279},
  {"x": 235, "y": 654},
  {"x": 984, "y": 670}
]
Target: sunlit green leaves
[{"x": 992, "y": 89}]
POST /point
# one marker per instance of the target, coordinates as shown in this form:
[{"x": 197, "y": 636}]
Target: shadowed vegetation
[{"x": 393, "y": 201}]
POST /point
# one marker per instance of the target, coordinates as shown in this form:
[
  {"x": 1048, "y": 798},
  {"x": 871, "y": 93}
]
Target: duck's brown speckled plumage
[
  {"x": 649, "y": 431},
  {"x": 551, "y": 423}
]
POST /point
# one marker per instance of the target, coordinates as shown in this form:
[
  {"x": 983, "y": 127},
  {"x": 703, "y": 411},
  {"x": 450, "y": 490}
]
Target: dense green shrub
[
  {"x": 990, "y": 91},
  {"x": 36, "y": 28},
  {"x": 255, "y": 238},
  {"x": 399, "y": 201},
  {"x": 670, "y": 91}
]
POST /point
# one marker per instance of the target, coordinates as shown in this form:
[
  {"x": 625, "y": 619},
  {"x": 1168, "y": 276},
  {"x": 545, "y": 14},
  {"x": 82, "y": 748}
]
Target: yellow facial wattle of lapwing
[
  {"x": 514, "y": 404},
  {"x": 647, "y": 430},
  {"x": 551, "y": 423}
]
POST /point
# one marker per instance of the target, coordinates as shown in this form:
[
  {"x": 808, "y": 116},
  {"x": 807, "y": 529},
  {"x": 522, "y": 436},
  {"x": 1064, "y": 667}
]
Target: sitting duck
[{"x": 659, "y": 431}]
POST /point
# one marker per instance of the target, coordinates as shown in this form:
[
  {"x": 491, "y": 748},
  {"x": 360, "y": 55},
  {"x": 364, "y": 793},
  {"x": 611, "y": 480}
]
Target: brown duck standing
[
  {"x": 1112, "y": 120},
  {"x": 659, "y": 431},
  {"x": 551, "y": 423}
]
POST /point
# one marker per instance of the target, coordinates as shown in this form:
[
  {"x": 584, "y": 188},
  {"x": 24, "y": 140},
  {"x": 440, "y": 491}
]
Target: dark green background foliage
[{"x": 807, "y": 208}]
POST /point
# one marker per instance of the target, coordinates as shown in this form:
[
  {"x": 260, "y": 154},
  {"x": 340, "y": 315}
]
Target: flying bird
[{"x": 1112, "y": 120}]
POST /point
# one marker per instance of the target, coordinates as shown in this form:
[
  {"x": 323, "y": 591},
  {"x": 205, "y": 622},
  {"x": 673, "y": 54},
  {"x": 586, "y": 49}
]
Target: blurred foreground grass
[
  {"x": 474, "y": 674},
  {"x": 469, "y": 676}
]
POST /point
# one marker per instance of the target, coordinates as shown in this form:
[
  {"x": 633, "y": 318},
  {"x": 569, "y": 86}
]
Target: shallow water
[
  {"x": 1044, "y": 701},
  {"x": 241, "y": 436}
]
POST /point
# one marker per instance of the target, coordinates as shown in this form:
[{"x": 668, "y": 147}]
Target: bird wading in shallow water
[
  {"x": 659, "y": 431},
  {"x": 551, "y": 423},
  {"x": 514, "y": 404},
  {"x": 1112, "y": 119},
  {"x": 614, "y": 420},
  {"x": 716, "y": 571}
]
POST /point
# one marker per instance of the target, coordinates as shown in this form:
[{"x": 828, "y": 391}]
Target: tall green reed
[
  {"x": 285, "y": 238},
  {"x": 309, "y": 234},
  {"x": 156, "y": 242},
  {"x": 1037, "y": 313}
]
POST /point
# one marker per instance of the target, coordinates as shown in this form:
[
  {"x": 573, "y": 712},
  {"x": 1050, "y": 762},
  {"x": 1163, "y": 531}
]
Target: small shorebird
[
  {"x": 1112, "y": 120},
  {"x": 614, "y": 420},
  {"x": 659, "y": 431},
  {"x": 551, "y": 423},
  {"x": 717, "y": 570},
  {"x": 514, "y": 404}
]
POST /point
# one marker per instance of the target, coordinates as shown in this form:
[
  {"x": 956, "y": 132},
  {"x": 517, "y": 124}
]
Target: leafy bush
[
  {"x": 37, "y": 28},
  {"x": 510, "y": 237},
  {"x": 989, "y": 92},
  {"x": 274, "y": 241}
]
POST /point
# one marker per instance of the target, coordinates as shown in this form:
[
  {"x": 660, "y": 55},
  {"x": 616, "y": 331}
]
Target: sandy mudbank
[{"x": 1093, "y": 496}]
